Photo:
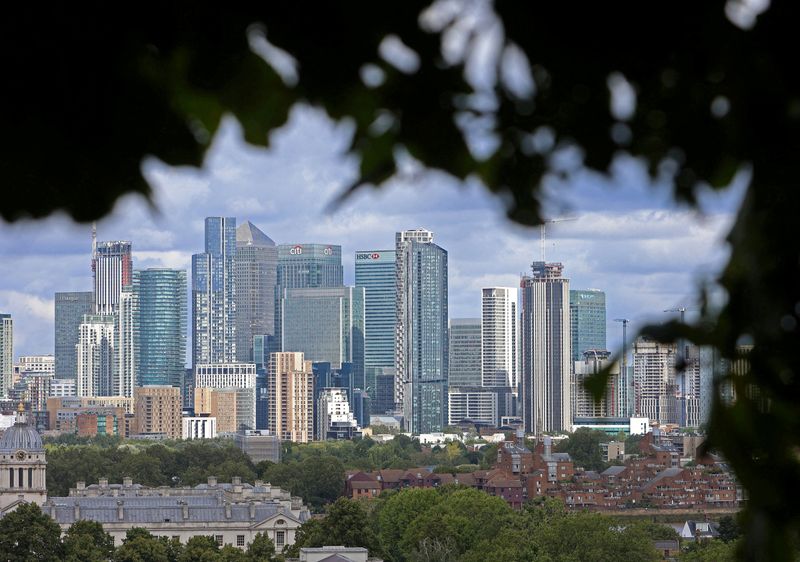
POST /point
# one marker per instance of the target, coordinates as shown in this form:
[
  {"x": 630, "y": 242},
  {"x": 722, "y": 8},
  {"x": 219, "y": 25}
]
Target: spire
[{"x": 94, "y": 244}]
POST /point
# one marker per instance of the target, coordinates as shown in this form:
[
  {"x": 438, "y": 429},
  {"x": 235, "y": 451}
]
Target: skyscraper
[
  {"x": 584, "y": 405},
  {"x": 326, "y": 324},
  {"x": 95, "y": 355},
  {"x": 422, "y": 353},
  {"x": 464, "y": 363},
  {"x": 655, "y": 385},
  {"x": 6, "y": 353},
  {"x": 126, "y": 351},
  {"x": 112, "y": 267},
  {"x": 69, "y": 311},
  {"x": 256, "y": 279},
  {"x": 291, "y": 391},
  {"x": 587, "y": 313},
  {"x": 213, "y": 294},
  {"x": 499, "y": 336},
  {"x": 310, "y": 265},
  {"x": 376, "y": 272},
  {"x": 162, "y": 326},
  {"x": 545, "y": 381}
]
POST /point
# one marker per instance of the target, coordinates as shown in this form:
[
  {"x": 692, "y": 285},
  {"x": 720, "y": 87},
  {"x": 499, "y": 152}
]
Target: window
[
  {"x": 280, "y": 538},
  {"x": 219, "y": 539},
  {"x": 239, "y": 540}
]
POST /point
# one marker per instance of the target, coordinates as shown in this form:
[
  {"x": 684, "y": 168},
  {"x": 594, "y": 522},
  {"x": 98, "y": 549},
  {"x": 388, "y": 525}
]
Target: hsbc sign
[{"x": 368, "y": 256}]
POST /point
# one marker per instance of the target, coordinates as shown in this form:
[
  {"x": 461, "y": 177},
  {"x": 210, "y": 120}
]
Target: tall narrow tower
[
  {"x": 546, "y": 385},
  {"x": 499, "y": 336},
  {"x": 112, "y": 265}
]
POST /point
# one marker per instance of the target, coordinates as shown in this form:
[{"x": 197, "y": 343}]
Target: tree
[
  {"x": 714, "y": 93},
  {"x": 200, "y": 549},
  {"x": 141, "y": 546},
  {"x": 710, "y": 551},
  {"x": 728, "y": 528},
  {"x": 397, "y": 513},
  {"x": 28, "y": 534},
  {"x": 262, "y": 549},
  {"x": 86, "y": 541},
  {"x": 584, "y": 447}
]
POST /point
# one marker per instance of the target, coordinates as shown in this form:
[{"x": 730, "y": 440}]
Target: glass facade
[
  {"x": 213, "y": 294},
  {"x": 587, "y": 314},
  {"x": 112, "y": 265},
  {"x": 376, "y": 273},
  {"x": 69, "y": 311},
  {"x": 310, "y": 265},
  {"x": 256, "y": 279},
  {"x": 465, "y": 352},
  {"x": 162, "y": 326},
  {"x": 327, "y": 325}
]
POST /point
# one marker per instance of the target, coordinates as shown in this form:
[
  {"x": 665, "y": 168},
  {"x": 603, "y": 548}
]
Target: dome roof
[{"x": 21, "y": 436}]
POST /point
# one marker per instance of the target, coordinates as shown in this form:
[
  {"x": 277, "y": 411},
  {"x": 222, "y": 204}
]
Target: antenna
[
  {"x": 543, "y": 230},
  {"x": 94, "y": 244}
]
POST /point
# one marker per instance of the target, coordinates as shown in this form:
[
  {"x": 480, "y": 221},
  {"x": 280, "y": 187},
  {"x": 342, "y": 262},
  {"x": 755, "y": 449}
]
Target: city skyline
[{"x": 628, "y": 242}]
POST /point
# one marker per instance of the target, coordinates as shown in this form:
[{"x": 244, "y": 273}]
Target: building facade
[
  {"x": 213, "y": 294},
  {"x": 310, "y": 265},
  {"x": 162, "y": 326},
  {"x": 587, "y": 314},
  {"x": 335, "y": 418},
  {"x": 499, "y": 337},
  {"x": 476, "y": 404},
  {"x": 158, "y": 410},
  {"x": 198, "y": 427},
  {"x": 422, "y": 331},
  {"x": 126, "y": 350},
  {"x": 655, "y": 384},
  {"x": 464, "y": 363},
  {"x": 6, "y": 353},
  {"x": 376, "y": 273},
  {"x": 23, "y": 466},
  {"x": 95, "y": 355},
  {"x": 546, "y": 384},
  {"x": 69, "y": 311},
  {"x": 256, "y": 281},
  {"x": 609, "y": 405},
  {"x": 291, "y": 397},
  {"x": 112, "y": 267}
]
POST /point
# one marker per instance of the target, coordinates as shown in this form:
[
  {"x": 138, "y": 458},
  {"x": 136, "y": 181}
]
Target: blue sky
[{"x": 629, "y": 238}]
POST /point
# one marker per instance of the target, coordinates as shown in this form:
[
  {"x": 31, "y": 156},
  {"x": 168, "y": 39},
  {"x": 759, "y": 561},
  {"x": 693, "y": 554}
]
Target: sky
[{"x": 628, "y": 238}]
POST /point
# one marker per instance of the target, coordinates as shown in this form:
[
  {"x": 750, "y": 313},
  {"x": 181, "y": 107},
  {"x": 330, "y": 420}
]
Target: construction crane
[
  {"x": 624, "y": 368},
  {"x": 543, "y": 230}
]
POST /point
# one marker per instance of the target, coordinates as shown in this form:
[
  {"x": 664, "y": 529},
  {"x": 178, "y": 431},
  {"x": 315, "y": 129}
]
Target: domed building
[{"x": 22, "y": 466}]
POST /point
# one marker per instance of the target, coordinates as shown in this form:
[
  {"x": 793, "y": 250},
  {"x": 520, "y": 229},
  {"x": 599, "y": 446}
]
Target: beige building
[
  {"x": 291, "y": 397},
  {"x": 234, "y": 408},
  {"x": 62, "y": 411},
  {"x": 158, "y": 410}
]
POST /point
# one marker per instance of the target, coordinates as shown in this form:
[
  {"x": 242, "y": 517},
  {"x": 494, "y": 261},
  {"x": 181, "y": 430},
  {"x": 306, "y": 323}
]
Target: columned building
[
  {"x": 22, "y": 466},
  {"x": 546, "y": 384}
]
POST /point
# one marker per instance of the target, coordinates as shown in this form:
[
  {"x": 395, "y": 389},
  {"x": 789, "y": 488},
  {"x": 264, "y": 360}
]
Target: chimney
[
  {"x": 103, "y": 482},
  {"x": 212, "y": 480},
  {"x": 77, "y": 511},
  {"x": 548, "y": 446},
  {"x": 185, "y": 510},
  {"x": 236, "y": 480},
  {"x": 127, "y": 482},
  {"x": 252, "y": 510},
  {"x": 120, "y": 510},
  {"x": 81, "y": 485},
  {"x": 227, "y": 511}
]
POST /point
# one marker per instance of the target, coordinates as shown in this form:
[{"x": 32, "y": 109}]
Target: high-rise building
[
  {"x": 231, "y": 407},
  {"x": 158, "y": 410},
  {"x": 475, "y": 403},
  {"x": 112, "y": 266},
  {"x": 310, "y": 265},
  {"x": 326, "y": 324},
  {"x": 95, "y": 352},
  {"x": 464, "y": 348},
  {"x": 545, "y": 383},
  {"x": 162, "y": 326},
  {"x": 585, "y": 406},
  {"x": 256, "y": 279},
  {"x": 291, "y": 397},
  {"x": 422, "y": 331},
  {"x": 697, "y": 389},
  {"x": 376, "y": 272},
  {"x": 213, "y": 294},
  {"x": 36, "y": 364},
  {"x": 655, "y": 384},
  {"x": 6, "y": 353},
  {"x": 499, "y": 337},
  {"x": 335, "y": 418},
  {"x": 126, "y": 351},
  {"x": 587, "y": 314},
  {"x": 69, "y": 311}
]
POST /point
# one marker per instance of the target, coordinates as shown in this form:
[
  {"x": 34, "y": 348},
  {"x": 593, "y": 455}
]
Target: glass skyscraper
[
  {"x": 465, "y": 352},
  {"x": 162, "y": 326},
  {"x": 6, "y": 353},
  {"x": 422, "y": 363},
  {"x": 256, "y": 278},
  {"x": 69, "y": 311},
  {"x": 310, "y": 265},
  {"x": 587, "y": 314},
  {"x": 376, "y": 273},
  {"x": 213, "y": 294}
]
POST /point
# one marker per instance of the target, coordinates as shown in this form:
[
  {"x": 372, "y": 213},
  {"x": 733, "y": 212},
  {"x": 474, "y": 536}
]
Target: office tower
[
  {"x": 698, "y": 385},
  {"x": 310, "y": 265},
  {"x": 587, "y": 315},
  {"x": 585, "y": 406},
  {"x": 256, "y": 279},
  {"x": 126, "y": 351},
  {"x": 472, "y": 403},
  {"x": 6, "y": 353},
  {"x": 422, "y": 353},
  {"x": 69, "y": 311},
  {"x": 162, "y": 326},
  {"x": 112, "y": 267},
  {"x": 545, "y": 382},
  {"x": 376, "y": 272},
  {"x": 499, "y": 337},
  {"x": 654, "y": 381},
  {"x": 213, "y": 294},
  {"x": 465, "y": 352},
  {"x": 158, "y": 410},
  {"x": 335, "y": 418},
  {"x": 383, "y": 402},
  {"x": 291, "y": 397},
  {"x": 326, "y": 324},
  {"x": 95, "y": 355}
]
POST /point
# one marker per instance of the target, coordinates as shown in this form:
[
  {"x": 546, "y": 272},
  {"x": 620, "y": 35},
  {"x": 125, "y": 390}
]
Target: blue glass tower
[
  {"x": 587, "y": 315},
  {"x": 162, "y": 326},
  {"x": 213, "y": 294}
]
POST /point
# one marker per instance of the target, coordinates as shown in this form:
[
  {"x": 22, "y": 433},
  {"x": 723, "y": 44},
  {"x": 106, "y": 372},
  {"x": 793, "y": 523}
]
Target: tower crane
[{"x": 543, "y": 230}]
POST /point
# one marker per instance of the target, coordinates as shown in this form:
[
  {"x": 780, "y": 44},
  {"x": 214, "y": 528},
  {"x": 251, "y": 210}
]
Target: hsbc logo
[
  {"x": 368, "y": 256},
  {"x": 296, "y": 251}
]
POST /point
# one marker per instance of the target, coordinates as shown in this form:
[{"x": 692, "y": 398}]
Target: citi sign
[
  {"x": 296, "y": 251},
  {"x": 368, "y": 256}
]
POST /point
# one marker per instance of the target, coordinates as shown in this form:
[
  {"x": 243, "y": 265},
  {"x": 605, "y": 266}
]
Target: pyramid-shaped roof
[{"x": 249, "y": 234}]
